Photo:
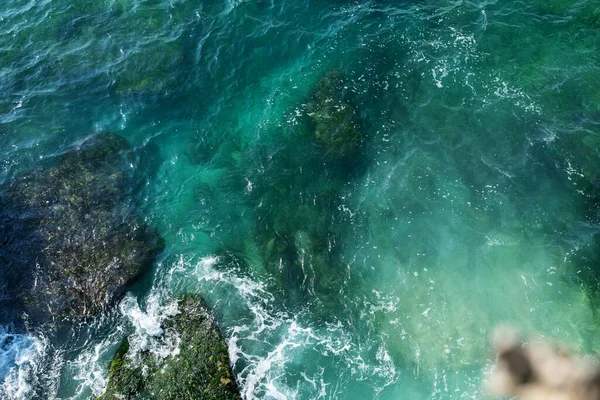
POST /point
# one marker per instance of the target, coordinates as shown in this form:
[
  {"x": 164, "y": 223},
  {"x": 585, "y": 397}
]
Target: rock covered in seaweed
[
  {"x": 71, "y": 243},
  {"x": 197, "y": 369},
  {"x": 336, "y": 125}
]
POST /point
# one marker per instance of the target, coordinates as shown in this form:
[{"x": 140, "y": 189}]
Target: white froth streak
[
  {"x": 90, "y": 369},
  {"x": 20, "y": 360},
  {"x": 261, "y": 377},
  {"x": 254, "y": 296}
]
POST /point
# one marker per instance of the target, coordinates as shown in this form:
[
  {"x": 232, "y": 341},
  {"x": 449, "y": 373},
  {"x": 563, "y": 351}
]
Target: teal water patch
[{"x": 458, "y": 190}]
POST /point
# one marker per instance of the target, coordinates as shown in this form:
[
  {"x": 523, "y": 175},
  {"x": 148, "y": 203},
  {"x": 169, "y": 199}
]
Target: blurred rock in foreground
[{"x": 541, "y": 371}]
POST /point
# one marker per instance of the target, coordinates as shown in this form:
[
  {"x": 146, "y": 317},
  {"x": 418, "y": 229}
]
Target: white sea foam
[
  {"x": 149, "y": 334},
  {"x": 90, "y": 365},
  {"x": 271, "y": 345},
  {"x": 21, "y": 357}
]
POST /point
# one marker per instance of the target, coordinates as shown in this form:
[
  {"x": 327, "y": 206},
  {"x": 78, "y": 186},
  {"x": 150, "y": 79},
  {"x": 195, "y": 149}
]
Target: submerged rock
[
  {"x": 150, "y": 69},
  {"x": 296, "y": 196},
  {"x": 71, "y": 243},
  {"x": 336, "y": 125},
  {"x": 198, "y": 368}
]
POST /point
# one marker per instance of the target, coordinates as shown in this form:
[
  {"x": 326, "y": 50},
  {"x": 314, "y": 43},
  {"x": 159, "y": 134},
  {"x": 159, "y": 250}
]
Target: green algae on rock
[
  {"x": 336, "y": 125},
  {"x": 78, "y": 231},
  {"x": 197, "y": 369}
]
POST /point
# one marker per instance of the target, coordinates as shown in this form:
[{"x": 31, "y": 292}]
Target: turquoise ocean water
[{"x": 473, "y": 202}]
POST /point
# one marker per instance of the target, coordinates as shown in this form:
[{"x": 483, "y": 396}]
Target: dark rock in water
[
  {"x": 72, "y": 244},
  {"x": 296, "y": 197},
  {"x": 198, "y": 369},
  {"x": 336, "y": 125}
]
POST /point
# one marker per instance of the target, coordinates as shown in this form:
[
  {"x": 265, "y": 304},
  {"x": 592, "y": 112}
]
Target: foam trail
[
  {"x": 21, "y": 357},
  {"x": 90, "y": 365},
  {"x": 265, "y": 347}
]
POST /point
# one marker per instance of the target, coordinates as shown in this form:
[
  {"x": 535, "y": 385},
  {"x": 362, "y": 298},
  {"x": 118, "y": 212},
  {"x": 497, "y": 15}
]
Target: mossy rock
[
  {"x": 74, "y": 243},
  {"x": 335, "y": 121},
  {"x": 199, "y": 369}
]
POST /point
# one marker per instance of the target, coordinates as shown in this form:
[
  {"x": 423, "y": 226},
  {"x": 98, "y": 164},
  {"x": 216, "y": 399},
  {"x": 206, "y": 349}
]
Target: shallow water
[{"x": 474, "y": 200}]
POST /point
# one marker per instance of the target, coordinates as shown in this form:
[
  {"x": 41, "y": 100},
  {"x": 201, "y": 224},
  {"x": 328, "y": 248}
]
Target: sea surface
[{"x": 474, "y": 201}]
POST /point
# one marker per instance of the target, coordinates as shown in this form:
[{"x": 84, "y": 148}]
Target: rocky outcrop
[
  {"x": 70, "y": 242},
  {"x": 197, "y": 368},
  {"x": 336, "y": 125}
]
